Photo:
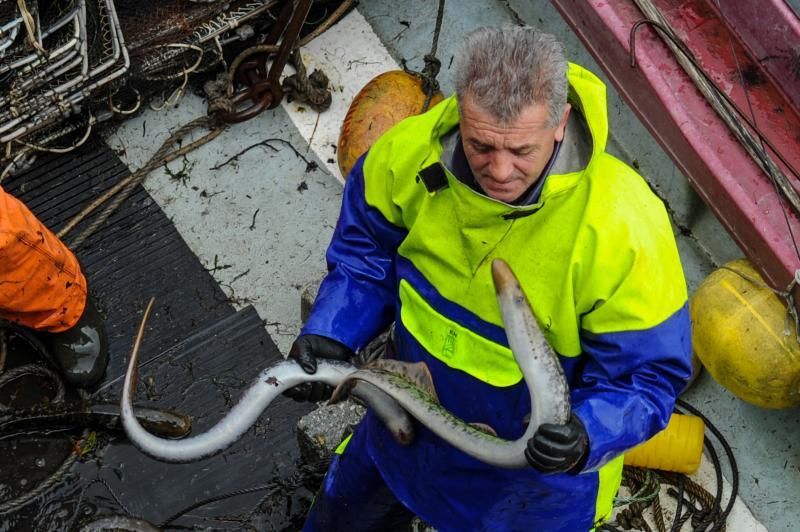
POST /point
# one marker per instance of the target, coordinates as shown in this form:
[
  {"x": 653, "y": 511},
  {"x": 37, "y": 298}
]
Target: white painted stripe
[{"x": 350, "y": 54}]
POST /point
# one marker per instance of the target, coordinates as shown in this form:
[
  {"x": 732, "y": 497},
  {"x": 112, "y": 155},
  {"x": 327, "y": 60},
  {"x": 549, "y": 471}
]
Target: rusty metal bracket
[{"x": 262, "y": 86}]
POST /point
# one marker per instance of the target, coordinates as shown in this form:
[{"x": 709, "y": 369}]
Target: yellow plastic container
[{"x": 679, "y": 447}]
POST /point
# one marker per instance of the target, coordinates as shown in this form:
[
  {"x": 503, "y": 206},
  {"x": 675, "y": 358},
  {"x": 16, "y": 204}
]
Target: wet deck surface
[
  {"x": 292, "y": 212},
  {"x": 198, "y": 353}
]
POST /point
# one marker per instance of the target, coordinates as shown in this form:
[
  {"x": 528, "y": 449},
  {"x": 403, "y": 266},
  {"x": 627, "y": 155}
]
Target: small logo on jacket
[{"x": 449, "y": 347}]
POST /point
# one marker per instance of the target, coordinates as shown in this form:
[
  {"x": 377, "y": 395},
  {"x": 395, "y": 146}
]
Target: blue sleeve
[
  {"x": 625, "y": 384},
  {"x": 356, "y": 300}
]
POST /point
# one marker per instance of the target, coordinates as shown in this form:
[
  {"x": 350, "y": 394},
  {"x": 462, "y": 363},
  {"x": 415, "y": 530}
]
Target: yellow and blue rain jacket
[{"x": 597, "y": 259}]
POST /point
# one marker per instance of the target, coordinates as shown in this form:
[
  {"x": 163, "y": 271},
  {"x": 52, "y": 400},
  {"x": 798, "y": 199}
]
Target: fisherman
[
  {"x": 43, "y": 289},
  {"x": 514, "y": 166}
]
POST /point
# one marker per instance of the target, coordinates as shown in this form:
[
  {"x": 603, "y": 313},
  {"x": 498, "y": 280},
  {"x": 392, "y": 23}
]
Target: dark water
[{"x": 113, "y": 478}]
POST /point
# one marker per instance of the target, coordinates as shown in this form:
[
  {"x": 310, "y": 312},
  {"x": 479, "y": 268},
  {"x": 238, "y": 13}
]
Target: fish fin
[
  {"x": 415, "y": 372},
  {"x": 483, "y": 427},
  {"x": 342, "y": 392},
  {"x": 388, "y": 410}
]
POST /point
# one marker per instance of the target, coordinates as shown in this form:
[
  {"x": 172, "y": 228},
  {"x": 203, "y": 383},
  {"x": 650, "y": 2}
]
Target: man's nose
[{"x": 501, "y": 166}]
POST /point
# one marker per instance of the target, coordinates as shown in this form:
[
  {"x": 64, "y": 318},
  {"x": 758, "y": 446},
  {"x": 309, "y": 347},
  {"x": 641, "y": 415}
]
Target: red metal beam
[
  {"x": 697, "y": 140},
  {"x": 770, "y": 31}
]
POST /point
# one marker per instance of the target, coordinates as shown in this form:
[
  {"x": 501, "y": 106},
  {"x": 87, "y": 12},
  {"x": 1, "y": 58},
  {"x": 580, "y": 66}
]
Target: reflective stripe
[
  {"x": 609, "y": 479},
  {"x": 342, "y": 446},
  {"x": 454, "y": 344}
]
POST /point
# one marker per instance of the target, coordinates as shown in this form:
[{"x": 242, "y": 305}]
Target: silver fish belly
[
  {"x": 540, "y": 368},
  {"x": 270, "y": 383}
]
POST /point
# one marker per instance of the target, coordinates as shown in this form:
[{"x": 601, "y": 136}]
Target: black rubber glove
[
  {"x": 306, "y": 350},
  {"x": 559, "y": 448}
]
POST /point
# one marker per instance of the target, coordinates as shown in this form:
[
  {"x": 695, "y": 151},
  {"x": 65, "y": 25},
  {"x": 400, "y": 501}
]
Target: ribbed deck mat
[
  {"x": 198, "y": 354},
  {"x": 136, "y": 254}
]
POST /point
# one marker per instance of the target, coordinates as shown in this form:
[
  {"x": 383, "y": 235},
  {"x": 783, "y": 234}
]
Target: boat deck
[
  {"x": 297, "y": 209},
  {"x": 259, "y": 224}
]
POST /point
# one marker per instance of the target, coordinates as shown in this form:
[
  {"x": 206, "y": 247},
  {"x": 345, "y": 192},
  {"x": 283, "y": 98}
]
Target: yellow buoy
[
  {"x": 386, "y": 100},
  {"x": 679, "y": 447},
  {"x": 741, "y": 334}
]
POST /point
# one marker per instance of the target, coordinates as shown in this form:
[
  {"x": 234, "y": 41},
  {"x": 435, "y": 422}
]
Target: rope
[
  {"x": 432, "y": 64},
  {"x": 215, "y": 498},
  {"x": 33, "y": 341},
  {"x": 216, "y": 94},
  {"x": 7, "y": 376},
  {"x": 125, "y": 112},
  {"x": 728, "y": 453},
  {"x": 38, "y": 147},
  {"x": 676, "y": 521},
  {"x": 311, "y": 89},
  {"x": 726, "y": 110},
  {"x": 76, "y": 513},
  {"x": 648, "y": 489},
  {"x": 658, "y": 514},
  {"x": 57, "y": 477},
  {"x": 125, "y": 188},
  {"x": 30, "y": 27},
  {"x": 704, "y": 81},
  {"x": 327, "y": 23},
  {"x": 693, "y": 501},
  {"x": 33, "y": 369},
  {"x": 10, "y": 167},
  {"x": 304, "y": 476}
]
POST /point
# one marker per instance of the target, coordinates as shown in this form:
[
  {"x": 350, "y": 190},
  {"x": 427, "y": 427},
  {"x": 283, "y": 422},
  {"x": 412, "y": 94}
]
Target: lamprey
[
  {"x": 269, "y": 384},
  {"x": 386, "y": 408},
  {"x": 537, "y": 361},
  {"x": 119, "y": 522},
  {"x": 540, "y": 367},
  {"x": 165, "y": 423}
]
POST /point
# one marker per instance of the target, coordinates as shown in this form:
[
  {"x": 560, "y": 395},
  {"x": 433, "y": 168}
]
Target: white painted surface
[
  {"x": 263, "y": 221},
  {"x": 350, "y": 54}
]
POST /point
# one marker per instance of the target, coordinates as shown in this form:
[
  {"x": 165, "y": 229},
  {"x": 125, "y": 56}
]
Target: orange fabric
[{"x": 41, "y": 284}]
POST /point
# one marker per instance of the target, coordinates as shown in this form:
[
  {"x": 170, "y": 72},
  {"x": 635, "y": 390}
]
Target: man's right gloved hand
[{"x": 306, "y": 350}]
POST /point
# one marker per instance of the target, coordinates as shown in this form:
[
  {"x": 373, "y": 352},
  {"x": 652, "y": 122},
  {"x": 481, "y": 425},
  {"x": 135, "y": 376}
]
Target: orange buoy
[{"x": 386, "y": 100}]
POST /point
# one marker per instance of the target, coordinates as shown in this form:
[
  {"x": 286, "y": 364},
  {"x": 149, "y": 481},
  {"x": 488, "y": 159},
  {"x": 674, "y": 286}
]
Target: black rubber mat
[
  {"x": 198, "y": 354},
  {"x": 136, "y": 254}
]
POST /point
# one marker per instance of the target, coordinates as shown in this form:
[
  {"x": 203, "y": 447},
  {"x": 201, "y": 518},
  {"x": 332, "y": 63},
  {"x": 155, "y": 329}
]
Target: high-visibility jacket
[
  {"x": 597, "y": 259},
  {"x": 41, "y": 284}
]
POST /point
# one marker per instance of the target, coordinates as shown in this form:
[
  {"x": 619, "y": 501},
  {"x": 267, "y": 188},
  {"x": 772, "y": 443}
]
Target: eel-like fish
[
  {"x": 540, "y": 368},
  {"x": 117, "y": 523},
  {"x": 269, "y": 384},
  {"x": 391, "y": 414},
  {"x": 537, "y": 361},
  {"x": 165, "y": 423}
]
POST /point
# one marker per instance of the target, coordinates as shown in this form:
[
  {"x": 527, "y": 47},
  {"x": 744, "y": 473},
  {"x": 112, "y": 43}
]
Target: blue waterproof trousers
[{"x": 354, "y": 497}]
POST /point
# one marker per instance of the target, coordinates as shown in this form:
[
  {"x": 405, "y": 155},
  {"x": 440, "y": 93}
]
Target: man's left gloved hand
[{"x": 558, "y": 448}]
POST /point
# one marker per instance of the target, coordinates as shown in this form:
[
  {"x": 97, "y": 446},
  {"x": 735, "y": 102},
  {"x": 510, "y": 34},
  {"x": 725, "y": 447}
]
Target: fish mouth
[{"x": 504, "y": 279}]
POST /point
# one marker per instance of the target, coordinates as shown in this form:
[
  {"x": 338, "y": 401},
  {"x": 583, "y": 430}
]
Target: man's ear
[{"x": 562, "y": 124}]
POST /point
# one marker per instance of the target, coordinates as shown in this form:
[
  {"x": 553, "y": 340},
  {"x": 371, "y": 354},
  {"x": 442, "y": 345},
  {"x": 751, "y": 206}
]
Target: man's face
[{"x": 507, "y": 159}]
